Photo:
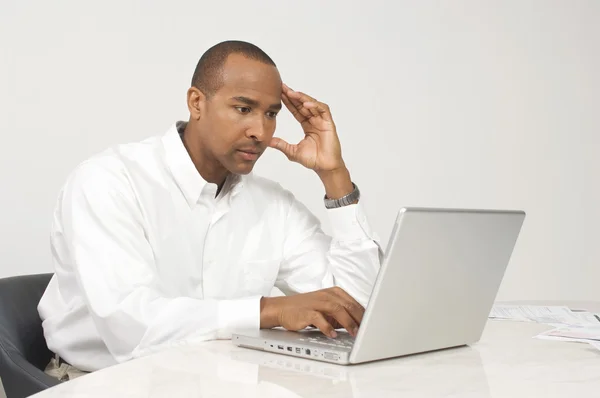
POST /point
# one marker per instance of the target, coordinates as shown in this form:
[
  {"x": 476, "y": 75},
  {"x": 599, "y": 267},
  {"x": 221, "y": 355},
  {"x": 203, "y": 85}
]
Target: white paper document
[
  {"x": 584, "y": 334},
  {"x": 595, "y": 344},
  {"x": 553, "y": 315},
  {"x": 587, "y": 318}
]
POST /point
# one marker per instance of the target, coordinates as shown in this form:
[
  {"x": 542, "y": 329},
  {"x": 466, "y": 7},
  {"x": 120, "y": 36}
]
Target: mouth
[{"x": 248, "y": 154}]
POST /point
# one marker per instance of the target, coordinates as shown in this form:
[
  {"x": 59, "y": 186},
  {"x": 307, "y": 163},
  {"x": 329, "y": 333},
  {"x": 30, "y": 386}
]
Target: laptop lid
[{"x": 440, "y": 276}]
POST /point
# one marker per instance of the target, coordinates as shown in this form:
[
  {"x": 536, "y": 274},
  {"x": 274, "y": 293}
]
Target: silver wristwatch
[{"x": 343, "y": 201}]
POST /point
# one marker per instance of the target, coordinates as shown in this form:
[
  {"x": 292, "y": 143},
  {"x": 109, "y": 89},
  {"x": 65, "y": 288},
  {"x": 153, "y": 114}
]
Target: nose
[{"x": 259, "y": 130}]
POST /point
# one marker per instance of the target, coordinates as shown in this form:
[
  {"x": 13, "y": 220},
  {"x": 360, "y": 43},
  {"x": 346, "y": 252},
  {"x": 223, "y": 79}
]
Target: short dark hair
[{"x": 208, "y": 73}]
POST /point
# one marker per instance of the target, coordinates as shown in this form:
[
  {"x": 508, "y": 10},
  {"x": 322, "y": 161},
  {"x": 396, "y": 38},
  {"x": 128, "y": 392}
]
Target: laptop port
[
  {"x": 280, "y": 347},
  {"x": 298, "y": 350},
  {"x": 289, "y": 349},
  {"x": 331, "y": 356},
  {"x": 307, "y": 351}
]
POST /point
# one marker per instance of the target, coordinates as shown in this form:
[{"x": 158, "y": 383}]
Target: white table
[{"x": 507, "y": 362}]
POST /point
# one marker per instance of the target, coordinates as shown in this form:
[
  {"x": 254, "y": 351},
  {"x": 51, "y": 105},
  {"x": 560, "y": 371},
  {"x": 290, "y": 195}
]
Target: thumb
[{"x": 283, "y": 147}]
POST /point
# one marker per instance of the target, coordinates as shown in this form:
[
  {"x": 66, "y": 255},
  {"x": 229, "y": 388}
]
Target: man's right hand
[{"x": 326, "y": 309}]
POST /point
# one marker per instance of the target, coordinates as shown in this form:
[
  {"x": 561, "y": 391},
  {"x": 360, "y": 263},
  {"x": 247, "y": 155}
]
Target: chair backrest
[{"x": 23, "y": 350}]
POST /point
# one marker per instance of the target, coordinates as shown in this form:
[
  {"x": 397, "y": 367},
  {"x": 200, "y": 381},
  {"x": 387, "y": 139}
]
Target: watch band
[{"x": 343, "y": 201}]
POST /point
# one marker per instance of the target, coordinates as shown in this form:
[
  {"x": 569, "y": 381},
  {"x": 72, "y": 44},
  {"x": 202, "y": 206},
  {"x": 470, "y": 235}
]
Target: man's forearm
[{"x": 337, "y": 183}]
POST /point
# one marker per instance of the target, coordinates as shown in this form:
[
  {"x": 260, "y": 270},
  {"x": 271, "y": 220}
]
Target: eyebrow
[{"x": 255, "y": 103}]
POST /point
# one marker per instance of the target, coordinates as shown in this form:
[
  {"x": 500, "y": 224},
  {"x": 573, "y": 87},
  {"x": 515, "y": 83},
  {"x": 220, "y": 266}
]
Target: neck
[{"x": 210, "y": 169}]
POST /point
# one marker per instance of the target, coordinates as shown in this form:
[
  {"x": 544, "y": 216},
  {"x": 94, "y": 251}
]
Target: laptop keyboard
[{"x": 343, "y": 340}]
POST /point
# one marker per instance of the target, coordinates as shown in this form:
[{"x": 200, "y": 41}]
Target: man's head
[{"x": 234, "y": 99}]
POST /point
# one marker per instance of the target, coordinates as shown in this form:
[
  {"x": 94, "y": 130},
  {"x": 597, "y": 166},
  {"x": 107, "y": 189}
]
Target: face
[{"x": 236, "y": 124}]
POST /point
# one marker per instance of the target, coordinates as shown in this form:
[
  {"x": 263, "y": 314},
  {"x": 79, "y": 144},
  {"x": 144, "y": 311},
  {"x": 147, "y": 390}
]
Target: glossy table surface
[{"x": 506, "y": 362}]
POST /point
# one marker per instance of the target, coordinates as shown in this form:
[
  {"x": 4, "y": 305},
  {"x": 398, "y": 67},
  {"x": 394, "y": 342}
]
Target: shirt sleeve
[
  {"x": 113, "y": 262},
  {"x": 350, "y": 258}
]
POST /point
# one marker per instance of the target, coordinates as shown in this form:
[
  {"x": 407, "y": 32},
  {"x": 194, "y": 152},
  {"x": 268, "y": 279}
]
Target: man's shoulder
[
  {"x": 101, "y": 173},
  {"x": 110, "y": 167}
]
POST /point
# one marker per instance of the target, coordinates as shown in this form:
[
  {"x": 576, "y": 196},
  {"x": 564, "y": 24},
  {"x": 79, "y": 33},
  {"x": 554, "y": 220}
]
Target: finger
[
  {"x": 312, "y": 107},
  {"x": 285, "y": 87},
  {"x": 353, "y": 307},
  {"x": 295, "y": 111},
  {"x": 341, "y": 316},
  {"x": 291, "y": 93},
  {"x": 300, "y": 100},
  {"x": 325, "y": 327},
  {"x": 333, "y": 322},
  {"x": 284, "y": 147},
  {"x": 321, "y": 108},
  {"x": 297, "y": 99},
  {"x": 288, "y": 92},
  {"x": 303, "y": 113}
]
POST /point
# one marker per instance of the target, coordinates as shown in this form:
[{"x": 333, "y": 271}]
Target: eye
[
  {"x": 243, "y": 109},
  {"x": 271, "y": 115}
]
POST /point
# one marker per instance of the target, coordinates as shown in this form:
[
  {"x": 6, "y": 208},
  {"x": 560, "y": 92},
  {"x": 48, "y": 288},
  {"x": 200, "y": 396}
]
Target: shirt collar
[{"x": 188, "y": 179}]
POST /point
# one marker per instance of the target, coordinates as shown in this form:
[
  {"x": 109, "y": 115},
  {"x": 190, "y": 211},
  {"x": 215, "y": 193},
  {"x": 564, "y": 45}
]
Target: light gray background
[
  {"x": 489, "y": 104},
  {"x": 465, "y": 103}
]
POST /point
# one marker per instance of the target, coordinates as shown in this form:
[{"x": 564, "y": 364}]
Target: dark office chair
[{"x": 23, "y": 351}]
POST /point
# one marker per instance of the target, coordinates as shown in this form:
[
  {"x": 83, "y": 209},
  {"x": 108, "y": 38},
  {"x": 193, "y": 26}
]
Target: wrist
[
  {"x": 268, "y": 312},
  {"x": 337, "y": 183}
]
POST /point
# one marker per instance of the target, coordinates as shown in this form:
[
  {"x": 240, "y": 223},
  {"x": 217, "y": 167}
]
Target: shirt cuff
[
  {"x": 350, "y": 223},
  {"x": 238, "y": 315}
]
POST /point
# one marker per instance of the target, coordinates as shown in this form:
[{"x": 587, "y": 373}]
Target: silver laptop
[{"x": 438, "y": 281}]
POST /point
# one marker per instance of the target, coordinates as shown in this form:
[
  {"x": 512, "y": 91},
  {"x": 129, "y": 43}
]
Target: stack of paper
[
  {"x": 580, "y": 334},
  {"x": 543, "y": 314},
  {"x": 572, "y": 333},
  {"x": 577, "y": 326}
]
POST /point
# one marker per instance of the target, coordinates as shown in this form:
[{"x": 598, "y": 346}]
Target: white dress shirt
[{"x": 147, "y": 256}]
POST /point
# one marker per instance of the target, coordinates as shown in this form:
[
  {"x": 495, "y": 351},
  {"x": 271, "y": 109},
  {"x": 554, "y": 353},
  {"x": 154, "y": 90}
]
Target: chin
[{"x": 242, "y": 169}]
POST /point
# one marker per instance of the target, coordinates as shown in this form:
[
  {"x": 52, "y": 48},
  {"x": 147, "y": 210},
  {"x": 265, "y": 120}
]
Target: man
[{"x": 173, "y": 240}]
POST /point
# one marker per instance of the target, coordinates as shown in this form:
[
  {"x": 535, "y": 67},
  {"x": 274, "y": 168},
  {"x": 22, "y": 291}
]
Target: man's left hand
[{"x": 320, "y": 148}]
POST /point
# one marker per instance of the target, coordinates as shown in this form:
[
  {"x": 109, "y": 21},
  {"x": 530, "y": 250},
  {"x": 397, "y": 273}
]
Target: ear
[{"x": 195, "y": 102}]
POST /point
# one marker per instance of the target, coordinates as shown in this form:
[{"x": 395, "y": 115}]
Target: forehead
[{"x": 247, "y": 77}]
